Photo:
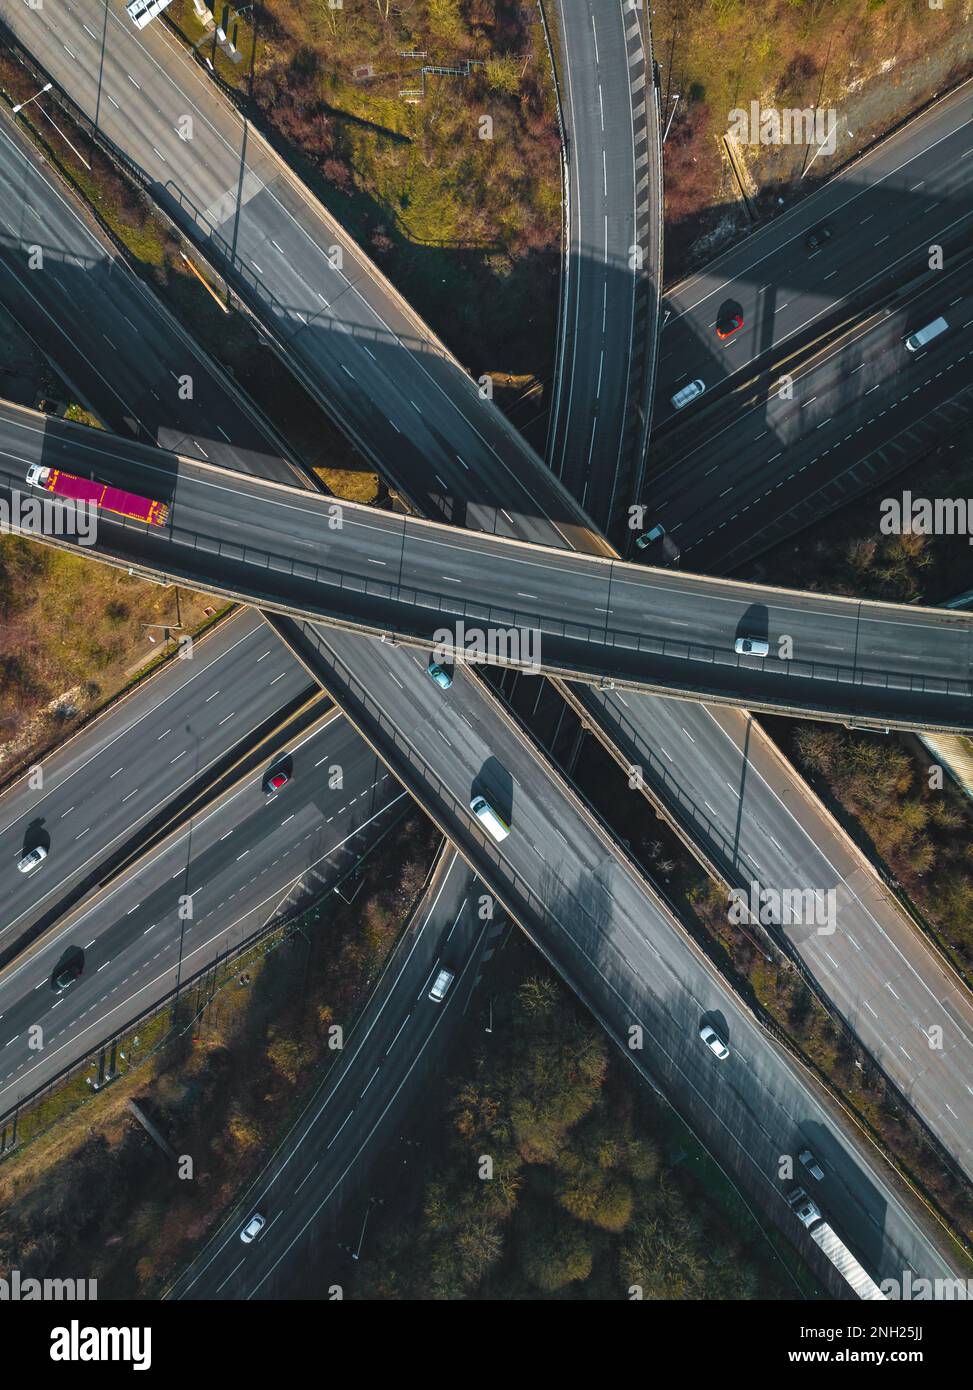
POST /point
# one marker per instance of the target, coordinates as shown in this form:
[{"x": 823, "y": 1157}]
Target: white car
[
  {"x": 253, "y": 1228},
  {"x": 32, "y": 860},
  {"x": 751, "y": 646},
  {"x": 714, "y": 1042}
]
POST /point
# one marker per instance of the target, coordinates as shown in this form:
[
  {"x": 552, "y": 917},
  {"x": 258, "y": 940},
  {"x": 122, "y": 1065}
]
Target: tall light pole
[
  {"x": 46, "y": 88},
  {"x": 676, "y": 96},
  {"x": 21, "y": 104}
]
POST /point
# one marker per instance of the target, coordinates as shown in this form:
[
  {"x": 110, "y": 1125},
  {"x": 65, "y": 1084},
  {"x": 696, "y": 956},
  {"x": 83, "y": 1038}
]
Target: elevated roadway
[
  {"x": 100, "y": 788},
  {"x": 794, "y": 443},
  {"x": 609, "y": 934},
  {"x": 430, "y": 683},
  {"x": 247, "y": 860},
  {"x": 597, "y": 619},
  {"x": 357, "y": 345}
]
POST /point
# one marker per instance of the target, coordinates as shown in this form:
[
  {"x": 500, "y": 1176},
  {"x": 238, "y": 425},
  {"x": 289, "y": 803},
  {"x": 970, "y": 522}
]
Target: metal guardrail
[
  {"x": 561, "y": 335},
  {"x": 331, "y": 579}
]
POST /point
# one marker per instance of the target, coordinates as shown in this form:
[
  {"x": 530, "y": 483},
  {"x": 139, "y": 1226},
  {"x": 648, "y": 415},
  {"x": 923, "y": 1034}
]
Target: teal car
[{"x": 440, "y": 675}]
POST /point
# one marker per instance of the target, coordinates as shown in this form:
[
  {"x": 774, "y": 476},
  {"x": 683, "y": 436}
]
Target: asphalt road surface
[
  {"x": 102, "y": 785},
  {"x": 596, "y": 918},
  {"x": 387, "y": 1063},
  {"x": 599, "y": 427},
  {"x": 250, "y": 858},
  {"x": 885, "y": 210},
  {"x": 357, "y": 344},
  {"x": 109, "y": 335},
  {"x": 856, "y": 412},
  {"x": 759, "y": 823},
  {"x": 743, "y": 778},
  {"x": 668, "y": 633}
]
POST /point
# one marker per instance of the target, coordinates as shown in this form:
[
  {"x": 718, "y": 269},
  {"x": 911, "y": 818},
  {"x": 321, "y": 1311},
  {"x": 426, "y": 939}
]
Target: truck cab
[
  {"x": 37, "y": 475},
  {"x": 802, "y": 1206}
]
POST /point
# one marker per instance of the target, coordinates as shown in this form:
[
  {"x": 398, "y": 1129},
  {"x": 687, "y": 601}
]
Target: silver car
[
  {"x": 751, "y": 646},
  {"x": 32, "y": 860},
  {"x": 811, "y": 1164},
  {"x": 714, "y": 1042},
  {"x": 253, "y": 1228}
]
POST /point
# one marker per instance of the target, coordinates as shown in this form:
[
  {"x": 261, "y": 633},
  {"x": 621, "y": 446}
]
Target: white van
[
  {"x": 488, "y": 817},
  {"x": 925, "y": 335},
  {"x": 688, "y": 393},
  {"x": 441, "y": 984},
  {"x": 142, "y": 12}
]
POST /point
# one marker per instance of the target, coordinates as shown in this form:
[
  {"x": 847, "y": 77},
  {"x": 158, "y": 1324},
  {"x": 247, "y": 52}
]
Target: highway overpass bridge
[{"x": 589, "y": 618}]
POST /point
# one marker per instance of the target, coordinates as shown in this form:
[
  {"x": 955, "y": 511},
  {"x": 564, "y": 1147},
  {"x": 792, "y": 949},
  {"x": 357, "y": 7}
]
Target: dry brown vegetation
[
  {"x": 467, "y": 228},
  {"x": 70, "y": 633},
  {"x": 874, "y": 61},
  {"x": 590, "y": 1190},
  {"x": 845, "y": 553},
  {"x": 915, "y": 818}
]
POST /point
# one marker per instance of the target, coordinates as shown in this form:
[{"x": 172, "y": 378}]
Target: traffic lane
[
  {"x": 714, "y": 493},
  {"x": 251, "y": 858},
  {"x": 100, "y": 787},
  {"x": 838, "y": 285},
  {"x": 403, "y": 402},
  {"x": 763, "y": 827},
  {"x": 328, "y": 1154},
  {"x": 205, "y": 185},
  {"x": 615, "y": 943},
  {"x": 920, "y": 139},
  {"x": 898, "y": 664},
  {"x": 590, "y": 414},
  {"x": 85, "y": 306},
  {"x": 885, "y": 209}
]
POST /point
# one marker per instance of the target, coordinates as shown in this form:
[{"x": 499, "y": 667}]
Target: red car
[
  {"x": 728, "y": 327},
  {"x": 276, "y": 781}
]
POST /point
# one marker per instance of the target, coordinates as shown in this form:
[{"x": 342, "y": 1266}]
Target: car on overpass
[
  {"x": 751, "y": 646},
  {"x": 439, "y": 674},
  {"x": 688, "y": 393},
  {"x": 655, "y": 533},
  {"x": 70, "y": 971},
  {"x": 806, "y": 1157}
]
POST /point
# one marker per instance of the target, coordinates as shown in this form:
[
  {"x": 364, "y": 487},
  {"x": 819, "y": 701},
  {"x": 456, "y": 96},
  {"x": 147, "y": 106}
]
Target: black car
[{"x": 819, "y": 237}]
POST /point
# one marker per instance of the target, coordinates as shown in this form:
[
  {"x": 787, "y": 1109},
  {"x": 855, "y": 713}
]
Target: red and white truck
[{"x": 110, "y": 499}]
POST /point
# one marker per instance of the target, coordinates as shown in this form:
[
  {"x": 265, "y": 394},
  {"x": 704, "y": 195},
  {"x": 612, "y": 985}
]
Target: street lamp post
[
  {"x": 21, "y": 104},
  {"x": 676, "y": 96}
]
